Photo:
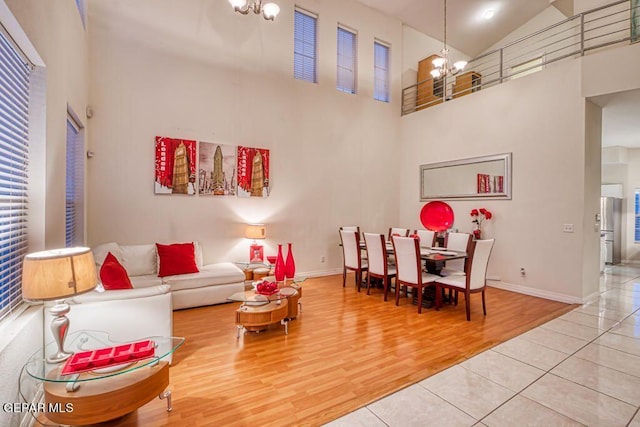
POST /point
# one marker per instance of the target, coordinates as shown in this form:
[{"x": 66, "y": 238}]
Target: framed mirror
[{"x": 486, "y": 177}]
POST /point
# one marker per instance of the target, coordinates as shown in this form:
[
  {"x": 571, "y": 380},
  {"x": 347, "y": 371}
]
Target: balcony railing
[{"x": 613, "y": 24}]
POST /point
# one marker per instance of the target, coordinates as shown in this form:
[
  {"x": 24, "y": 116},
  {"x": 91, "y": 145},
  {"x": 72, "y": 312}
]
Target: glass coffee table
[
  {"x": 258, "y": 311},
  {"x": 94, "y": 395}
]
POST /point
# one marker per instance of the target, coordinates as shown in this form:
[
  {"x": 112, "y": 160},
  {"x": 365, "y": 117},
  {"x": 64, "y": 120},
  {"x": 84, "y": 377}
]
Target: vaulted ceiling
[{"x": 467, "y": 29}]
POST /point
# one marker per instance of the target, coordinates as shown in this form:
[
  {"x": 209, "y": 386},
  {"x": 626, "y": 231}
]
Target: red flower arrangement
[{"x": 479, "y": 215}]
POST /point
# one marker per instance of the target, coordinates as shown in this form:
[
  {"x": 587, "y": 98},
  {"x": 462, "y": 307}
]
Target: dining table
[{"x": 434, "y": 258}]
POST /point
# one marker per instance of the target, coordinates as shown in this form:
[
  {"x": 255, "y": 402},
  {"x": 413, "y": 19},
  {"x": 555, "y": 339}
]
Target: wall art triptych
[{"x": 210, "y": 169}]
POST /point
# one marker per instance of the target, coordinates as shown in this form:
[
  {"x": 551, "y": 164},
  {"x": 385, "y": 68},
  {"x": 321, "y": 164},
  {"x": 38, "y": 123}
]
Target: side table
[{"x": 102, "y": 394}]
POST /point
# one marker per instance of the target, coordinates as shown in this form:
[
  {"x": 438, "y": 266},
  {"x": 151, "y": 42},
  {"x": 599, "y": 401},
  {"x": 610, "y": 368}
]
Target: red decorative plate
[{"x": 436, "y": 216}]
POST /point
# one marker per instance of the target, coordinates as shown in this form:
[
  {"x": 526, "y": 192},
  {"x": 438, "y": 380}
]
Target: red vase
[
  {"x": 290, "y": 265},
  {"x": 280, "y": 268}
]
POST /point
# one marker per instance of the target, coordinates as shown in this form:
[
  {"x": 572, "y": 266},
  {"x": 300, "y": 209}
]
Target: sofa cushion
[
  {"x": 145, "y": 281},
  {"x": 100, "y": 253},
  {"x": 210, "y": 275},
  {"x": 113, "y": 275},
  {"x": 178, "y": 258},
  {"x": 139, "y": 259},
  {"x": 119, "y": 294}
]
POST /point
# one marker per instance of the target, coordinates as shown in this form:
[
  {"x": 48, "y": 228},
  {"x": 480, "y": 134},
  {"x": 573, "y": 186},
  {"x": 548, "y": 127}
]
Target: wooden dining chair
[
  {"x": 396, "y": 231},
  {"x": 475, "y": 279},
  {"x": 409, "y": 267},
  {"x": 351, "y": 253},
  {"x": 379, "y": 267},
  {"x": 460, "y": 242},
  {"x": 427, "y": 237}
]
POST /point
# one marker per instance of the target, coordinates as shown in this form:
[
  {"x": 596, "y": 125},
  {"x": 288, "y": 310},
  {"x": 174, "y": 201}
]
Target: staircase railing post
[
  {"x": 582, "y": 34},
  {"x": 501, "y": 64}
]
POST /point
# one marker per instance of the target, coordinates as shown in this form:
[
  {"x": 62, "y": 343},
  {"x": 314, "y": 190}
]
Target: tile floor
[{"x": 582, "y": 368}]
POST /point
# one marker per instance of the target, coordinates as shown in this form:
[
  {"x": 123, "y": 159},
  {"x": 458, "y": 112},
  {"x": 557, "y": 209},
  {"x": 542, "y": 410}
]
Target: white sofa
[
  {"x": 146, "y": 310},
  {"x": 213, "y": 284}
]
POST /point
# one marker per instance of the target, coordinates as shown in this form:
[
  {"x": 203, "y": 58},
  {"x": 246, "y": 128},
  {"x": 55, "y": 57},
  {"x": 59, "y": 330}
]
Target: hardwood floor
[{"x": 346, "y": 350}]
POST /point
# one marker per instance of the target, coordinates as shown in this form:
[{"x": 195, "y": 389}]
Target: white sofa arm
[
  {"x": 120, "y": 294},
  {"x": 143, "y": 315}
]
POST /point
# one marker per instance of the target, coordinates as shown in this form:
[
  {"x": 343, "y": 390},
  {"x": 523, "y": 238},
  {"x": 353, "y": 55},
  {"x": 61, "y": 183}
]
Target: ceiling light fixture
[
  {"x": 442, "y": 64},
  {"x": 269, "y": 10},
  {"x": 488, "y": 14}
]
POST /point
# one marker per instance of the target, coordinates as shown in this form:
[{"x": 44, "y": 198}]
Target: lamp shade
[
  {"x": 256, "y": 231},
  {"x": 58, "y": 273}
]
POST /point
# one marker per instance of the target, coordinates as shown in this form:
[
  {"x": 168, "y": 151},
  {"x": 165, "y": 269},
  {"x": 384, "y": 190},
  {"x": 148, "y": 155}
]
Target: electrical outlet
[
  {"x": 322, "y": 258},
  {"x": 523, "y": 272},
  {"x": 567, "y": 228}
]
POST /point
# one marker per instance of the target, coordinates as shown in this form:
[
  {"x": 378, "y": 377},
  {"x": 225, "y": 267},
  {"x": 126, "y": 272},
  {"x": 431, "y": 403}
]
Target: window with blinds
[
  {"x": 346, "y": 81},
  {"x": 74, "y": 199},
  {"x": 14, "y": 155},
  {"x": 304, "y": 46},
  {"x": 380, "y": 72}
]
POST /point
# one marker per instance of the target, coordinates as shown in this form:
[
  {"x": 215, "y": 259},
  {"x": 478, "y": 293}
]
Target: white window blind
[
  {"x": 304, "y": 46},
  {"x": 74, "y": 200},
  {"x": 14, "y": 154},
  {"x": 380, "y": 72},
  {"x": 346, "y": 60}
]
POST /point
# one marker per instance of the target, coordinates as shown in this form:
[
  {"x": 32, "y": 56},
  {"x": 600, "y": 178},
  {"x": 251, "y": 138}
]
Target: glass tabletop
[
  {"x": 86, "y": 341},
  {"x": 287, "y": 288}
]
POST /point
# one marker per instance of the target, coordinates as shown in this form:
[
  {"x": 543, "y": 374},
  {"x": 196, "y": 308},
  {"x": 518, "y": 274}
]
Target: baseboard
[
  {"x": 536, "y": 292},
  {"x": 319, "y": 273}
]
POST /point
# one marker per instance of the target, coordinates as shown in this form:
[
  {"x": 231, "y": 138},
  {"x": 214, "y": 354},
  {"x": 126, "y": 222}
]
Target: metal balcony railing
[{"x": 609, "y": 25}]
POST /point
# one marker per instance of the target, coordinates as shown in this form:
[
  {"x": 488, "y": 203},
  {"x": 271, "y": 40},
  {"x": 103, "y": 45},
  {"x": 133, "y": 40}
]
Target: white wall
[
  {"x": 540, "y": 119},
  {"x": 544, "y": 19},
  {"x": 221, "y": 76}
]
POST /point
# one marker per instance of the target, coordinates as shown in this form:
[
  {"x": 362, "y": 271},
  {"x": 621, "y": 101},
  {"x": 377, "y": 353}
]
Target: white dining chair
[
  {"x": 402, "y": 232},
  {"x": 460, "y": 242},
  {"x": 351, "y": 253},
  {"x": 379, "y": 267},
  {"x": 427, "y": 237},
  {"x": 475, "y": 279},
  {"x": 409, "y": 267}
]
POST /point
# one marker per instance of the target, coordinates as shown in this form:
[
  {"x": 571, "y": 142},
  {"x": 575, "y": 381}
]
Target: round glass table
[
  {"x": 258, "y": 310},
  {"x": 79, "y": 392}
]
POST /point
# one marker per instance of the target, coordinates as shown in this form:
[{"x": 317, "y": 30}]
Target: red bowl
[{"x": 272, "y": 259}]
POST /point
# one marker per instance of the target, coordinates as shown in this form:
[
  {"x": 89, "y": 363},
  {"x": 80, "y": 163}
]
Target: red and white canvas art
[
  {"x": 253, "y": 172},
  {"x": 216, "y": 169},
  {"x": 175, "y": 166}
]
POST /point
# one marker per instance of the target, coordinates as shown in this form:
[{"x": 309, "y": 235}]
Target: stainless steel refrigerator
[{"x": 610, "y": 226}]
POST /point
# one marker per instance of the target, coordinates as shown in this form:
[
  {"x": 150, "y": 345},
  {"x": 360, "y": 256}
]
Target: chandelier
[
  {"x": 269, "y": 10},
  {"x": 442, "y": 64}
]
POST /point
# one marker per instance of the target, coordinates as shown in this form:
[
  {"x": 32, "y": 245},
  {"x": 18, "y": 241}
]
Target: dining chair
[
  {"x": 427, "y": 237},
  {"x": 355, "y": 228},
  {"x": 456, "y": 242},
  {"x": 379, "y": 267},
  {"x": 351, "y": 253},
  {"x": 475, "y": 279},
  {"x": 409, "y": 267},
  {"x": 402, "y": 232}
]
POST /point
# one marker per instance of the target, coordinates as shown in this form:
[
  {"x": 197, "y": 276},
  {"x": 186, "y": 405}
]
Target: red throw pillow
[
  {"x": 179, "y": 258},
  {"x": 113, "y": 275}
]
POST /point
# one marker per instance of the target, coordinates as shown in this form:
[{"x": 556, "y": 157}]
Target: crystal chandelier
[
  {"x": 269, "y": 10},
  {"x": 442, "y": 64}
]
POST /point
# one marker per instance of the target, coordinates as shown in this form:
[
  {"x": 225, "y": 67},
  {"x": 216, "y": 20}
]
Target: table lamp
[
  {"x": 256, "y": 231},
  {"x": 54, "y": 275}
]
